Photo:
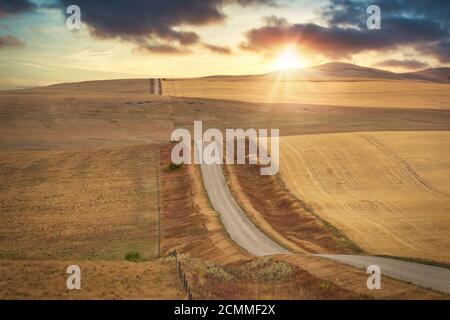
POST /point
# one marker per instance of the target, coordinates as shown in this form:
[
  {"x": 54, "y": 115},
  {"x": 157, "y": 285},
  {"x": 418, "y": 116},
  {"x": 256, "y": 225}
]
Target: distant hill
[
  {"x": 432, "y": 74},
  {"x": 333, "y": 71},
  {"x": 338, "y": 70}
]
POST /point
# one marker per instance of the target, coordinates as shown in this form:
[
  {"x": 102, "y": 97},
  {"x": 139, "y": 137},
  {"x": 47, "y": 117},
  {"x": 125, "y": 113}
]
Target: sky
[{"x": 179, "y": 38}]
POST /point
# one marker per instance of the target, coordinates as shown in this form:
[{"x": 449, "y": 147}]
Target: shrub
[
  {"x": 325, "y": 284},
  {"x": 264, "y": 269},
  {"x": 133, "y": 256},
  {"x": 175, "y": 166}
]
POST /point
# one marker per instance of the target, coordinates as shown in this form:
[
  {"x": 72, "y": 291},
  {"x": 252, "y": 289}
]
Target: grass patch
[
  {"x": 133, "y": 256},
  {"x": 326, "y": 284},
  {"x": 263, "y": 269},
  {"x": 174, "y": 166}
]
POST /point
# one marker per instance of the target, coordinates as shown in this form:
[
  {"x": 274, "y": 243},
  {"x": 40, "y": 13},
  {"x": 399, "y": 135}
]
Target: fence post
[{"x": 183, "y": 279}]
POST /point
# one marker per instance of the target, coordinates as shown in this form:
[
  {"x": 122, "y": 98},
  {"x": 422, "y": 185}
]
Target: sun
[{"x": 289, "y": 58}]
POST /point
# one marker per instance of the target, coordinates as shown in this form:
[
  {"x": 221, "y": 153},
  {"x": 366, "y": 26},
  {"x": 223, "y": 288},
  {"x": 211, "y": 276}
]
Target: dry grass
[
  {"x": 259, "y": 278},
  {"x": 283, "y": 217},
  {"x": 108, "y": 114},
  {"x": 354, "y": 279},
  {"x": 395, "y": 94},
  {"x": 86, "y": 204},
  {"x": 388, "y": 192},
  {"x": 53, "y": 119},
  {"x": 90, "y": 192},
  {"x": 99, "y": 280},
  {"x": 188, "y": 224}
]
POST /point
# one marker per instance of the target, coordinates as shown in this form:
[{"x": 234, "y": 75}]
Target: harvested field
[
  {"x": 381, "y": 93},
  {"x": 388, "y": 192},
  {"x": 48, "y": 120},
  {"x": 78, "y": 170},
  {"x": 99, "y": 280},
  {"x": 86, "y": 204},
  {"x": 282, "y": 216}
]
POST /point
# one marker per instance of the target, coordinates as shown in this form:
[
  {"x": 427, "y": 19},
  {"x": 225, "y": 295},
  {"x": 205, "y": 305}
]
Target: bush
[
  {"x": 133, "y": 256},
  {"x": 264, "y": 269},
  {"x": 325, "y": 284},
  {"x": 175, "y": 166}
]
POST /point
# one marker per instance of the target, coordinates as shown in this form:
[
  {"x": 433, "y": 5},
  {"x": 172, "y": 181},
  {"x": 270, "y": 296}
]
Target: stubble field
[{"x": 388, "y": 191}]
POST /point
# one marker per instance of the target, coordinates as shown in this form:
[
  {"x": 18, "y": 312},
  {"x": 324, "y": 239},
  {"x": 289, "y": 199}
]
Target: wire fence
[{"x": 183, "y": 279}]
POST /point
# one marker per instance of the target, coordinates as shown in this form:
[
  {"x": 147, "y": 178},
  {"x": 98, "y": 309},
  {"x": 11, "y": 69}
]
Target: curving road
[
  {"x": 239, "y": 227},
  {"x": 247, "y": 236},
  {"x": 422, "y": 275}
]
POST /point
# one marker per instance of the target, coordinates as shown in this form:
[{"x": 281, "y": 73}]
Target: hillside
[
  {"x": 388, "y": 195},
  {"x": 333, "y": 71},
  {"x": 431, "y": 74}
]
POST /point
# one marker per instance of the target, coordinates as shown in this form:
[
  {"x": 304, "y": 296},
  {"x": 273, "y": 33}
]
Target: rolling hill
[{"x": 345, "y": 71}]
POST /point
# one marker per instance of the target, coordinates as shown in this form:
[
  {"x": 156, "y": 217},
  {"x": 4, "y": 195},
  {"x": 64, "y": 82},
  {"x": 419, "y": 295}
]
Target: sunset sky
[{"x": 178, "y": 38}]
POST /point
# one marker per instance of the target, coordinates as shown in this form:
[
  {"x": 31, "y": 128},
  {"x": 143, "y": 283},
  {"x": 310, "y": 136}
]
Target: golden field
[
  {"x": 387, "y": 191},
  {"x": 379, "y": 93},
  {"x": 99, "y": 280},
  {"x": 78, "y": 172},
  {"x": 79, "y": 204}
]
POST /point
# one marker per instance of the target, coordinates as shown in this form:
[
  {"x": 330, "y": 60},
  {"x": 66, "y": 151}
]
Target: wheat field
[
  {"x": 387, "y": 191},
  {"x": 357, "y": 93}
]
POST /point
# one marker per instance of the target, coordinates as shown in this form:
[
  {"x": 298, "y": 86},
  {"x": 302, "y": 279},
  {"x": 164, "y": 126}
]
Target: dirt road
[
  {"x": 155, "y": 86},
  {"x": 239, "y": 227},
  {"x": 423, "y": 275},
  {"x": 246, "y": 235}
]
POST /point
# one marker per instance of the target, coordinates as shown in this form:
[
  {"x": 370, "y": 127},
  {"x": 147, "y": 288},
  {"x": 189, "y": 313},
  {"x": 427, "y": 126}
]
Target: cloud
[
  {"x": 353, "y": 12},
  {"x": 217, "y": 49},
  {"x": 12, "y": 7},
  {"x": 405, "y": 64},
  {"x": 162, "y": 49},
  {"x": 439, "y": 49},
  {"x": 10, "y": 42},
  {"x": 421, "y": 25},
  {"x": 153, "y": 24}
]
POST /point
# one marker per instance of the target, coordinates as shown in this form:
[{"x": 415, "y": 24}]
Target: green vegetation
[
  {"x": 133, "y": 256},
  {"x": 174, "y": 166},
  {"x": 264, "y": 269},
  {"x": 325, "y": 284}
]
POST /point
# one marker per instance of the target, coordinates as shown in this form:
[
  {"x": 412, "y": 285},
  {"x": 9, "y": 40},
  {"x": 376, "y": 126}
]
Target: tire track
[{"x": 413, "y": 176}]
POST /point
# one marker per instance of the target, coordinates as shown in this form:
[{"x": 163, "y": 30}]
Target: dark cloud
[
  {"x": 421, "y": 25},
  {"x": 150, "y": 23},
  {"x": 405, "y": 64},
  {"x": 10, "y": 42},
  {"x": 353, "y": 12},
  {"x": 162, "y": 49},
  {"x": 217, "y": 49},
  {"x": 11, "y": 7},
  {"x": 439, "y": 49}
]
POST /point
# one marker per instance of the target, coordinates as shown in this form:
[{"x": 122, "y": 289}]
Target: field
[
  {"x": 99, "y": 280},
  {"x": 380, "y": 93},
  {"x": 84, "y": 179},
  {"x": 78, "y": 176},
  {"x": 387, "y": 191},
  {"x": 83, "y": 204}
]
